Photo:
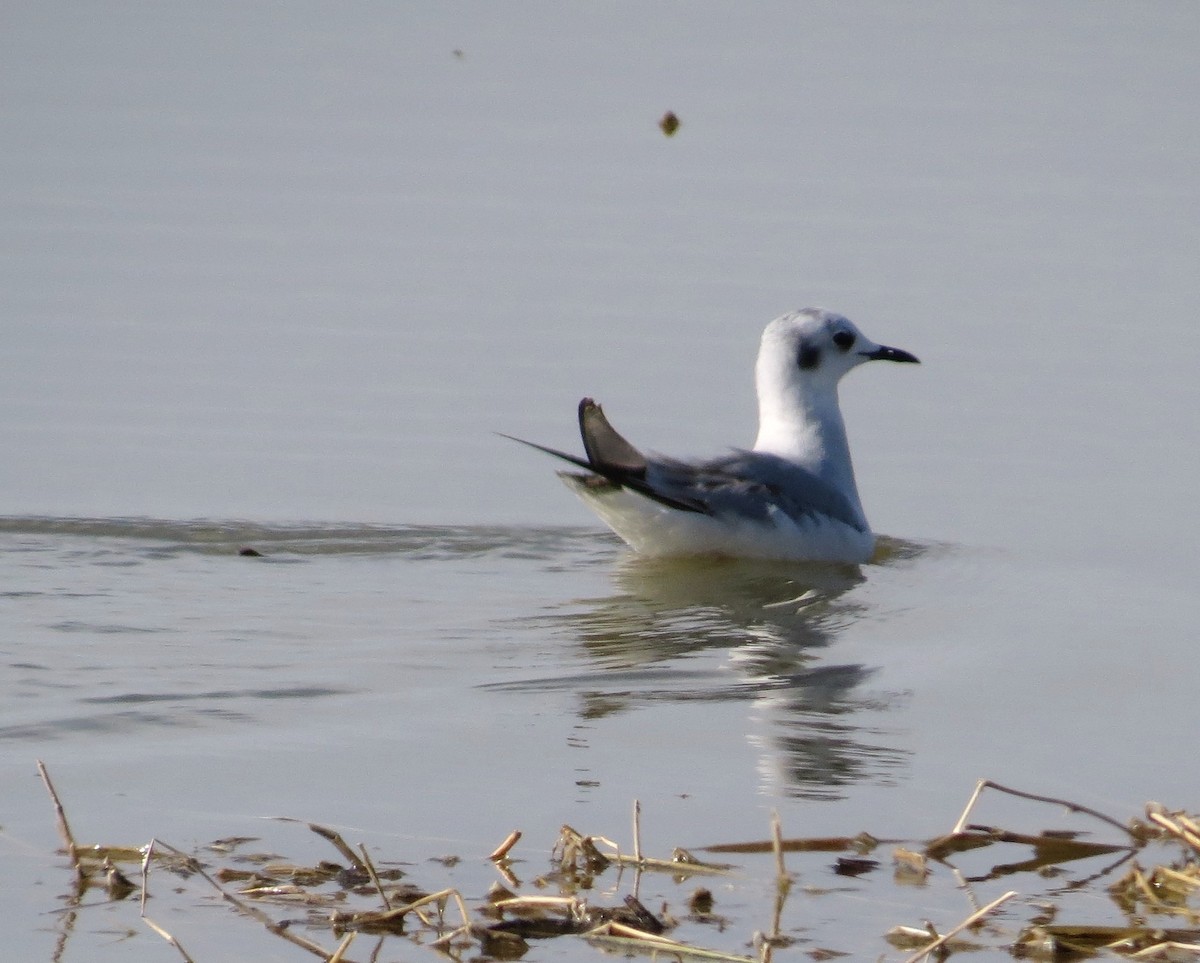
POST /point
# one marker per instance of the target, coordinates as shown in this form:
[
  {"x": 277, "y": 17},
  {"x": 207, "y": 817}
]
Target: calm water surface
[
  {"x": 427, "y": 689},
  {"x": 287, "y": 270}
]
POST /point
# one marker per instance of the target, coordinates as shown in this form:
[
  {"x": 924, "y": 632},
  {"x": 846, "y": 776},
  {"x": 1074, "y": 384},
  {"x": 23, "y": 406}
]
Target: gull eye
[{"x": 844, "y": 340}]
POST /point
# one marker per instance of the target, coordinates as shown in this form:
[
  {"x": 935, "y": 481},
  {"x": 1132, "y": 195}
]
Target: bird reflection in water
[{"x": 710, "y": 629}]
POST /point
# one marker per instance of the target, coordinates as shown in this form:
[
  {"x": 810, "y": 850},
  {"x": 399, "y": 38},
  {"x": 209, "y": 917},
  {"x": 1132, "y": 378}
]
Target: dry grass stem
[
  {"x": 60, "y": 815},
  {"x": 1021, "y": 794},
  {"x": 962, "y": 820},
  {"x": 502, "y": 851},
  {"x": 777, "y": 845},
  {"x": 969, "y": 921},
  {"x": 637, "y": 831},
  {"x": 1168, "y": 951},
  {"x": 621, "y": 937},
  {"x": 142, "y": 911},
  {"x": 1140, "y": 942},
  {"x": 783, "y": 885},
  {"x": 340, "y": 953},
  {"x": 366, "y": 860},
  {"x": 1178, "y": 825},
  {"x": 574, "y": 850},
  {"x": 519, "y": 903},
  {"x": 253, "y": 912},
  {"x": 439, "y": 900},
  {"x": 341, "y": 846},
  {"x": 168, "y": 937},
  {"x": 676, "y": 867},
  {"x": 149, "y": 855},
  {"x": 359, "y": 898}
]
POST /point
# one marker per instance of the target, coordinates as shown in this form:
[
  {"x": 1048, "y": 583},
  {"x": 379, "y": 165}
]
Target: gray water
[{"x": 275, "y": 276}]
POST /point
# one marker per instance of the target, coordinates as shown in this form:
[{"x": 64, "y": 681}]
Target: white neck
[{"x": 807, "y": 429}]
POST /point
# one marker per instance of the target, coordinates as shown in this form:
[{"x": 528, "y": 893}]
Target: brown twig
[{"x": 1066, "y": 803}]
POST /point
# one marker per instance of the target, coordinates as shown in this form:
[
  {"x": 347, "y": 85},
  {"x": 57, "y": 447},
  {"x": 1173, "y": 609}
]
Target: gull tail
[{"x": 611, "y": 457}]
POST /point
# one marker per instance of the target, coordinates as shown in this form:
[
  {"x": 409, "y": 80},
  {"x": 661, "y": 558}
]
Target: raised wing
[{"x": 613, "y": 458}]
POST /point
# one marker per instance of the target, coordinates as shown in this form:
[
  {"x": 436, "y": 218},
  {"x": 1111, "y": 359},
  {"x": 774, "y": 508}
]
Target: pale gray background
[{"x": 299, "y": 262}]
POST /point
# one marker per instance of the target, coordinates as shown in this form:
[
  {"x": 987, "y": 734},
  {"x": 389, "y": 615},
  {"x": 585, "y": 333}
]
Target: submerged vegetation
[{"x": 323, "y": 908}]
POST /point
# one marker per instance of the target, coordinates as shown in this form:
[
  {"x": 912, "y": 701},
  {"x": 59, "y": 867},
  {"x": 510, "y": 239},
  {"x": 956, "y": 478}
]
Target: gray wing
[
  {"x": 745, "y": 483},
  {"x": 750, "y": 484}
]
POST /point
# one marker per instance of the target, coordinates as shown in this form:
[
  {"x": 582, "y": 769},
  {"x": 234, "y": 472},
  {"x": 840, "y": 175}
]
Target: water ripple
[{"x": 276, "y": 542}]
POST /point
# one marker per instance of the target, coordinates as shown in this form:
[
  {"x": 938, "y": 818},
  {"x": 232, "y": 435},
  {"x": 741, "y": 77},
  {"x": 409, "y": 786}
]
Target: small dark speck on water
[
  {"x": 669, "y": 123},
  {"x": 249, "y": 552}
]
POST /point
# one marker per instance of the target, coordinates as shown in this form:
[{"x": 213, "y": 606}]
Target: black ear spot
[
  {"x": 810, "y": 356},
  {"x": 844, "y": 340}
]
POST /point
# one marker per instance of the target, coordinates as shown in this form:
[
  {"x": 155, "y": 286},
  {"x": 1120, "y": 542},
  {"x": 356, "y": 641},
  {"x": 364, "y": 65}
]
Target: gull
[{"x": 791, "y": 497}]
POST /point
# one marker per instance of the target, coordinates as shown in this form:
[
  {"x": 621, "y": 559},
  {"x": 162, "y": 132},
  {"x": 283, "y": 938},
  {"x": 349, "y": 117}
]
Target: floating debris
[
  {"x": 701, "y": 902},
  {"x": 854, "y": 865},
  {"x": 910, "y": 867},
  {"x": 502, "y": 851},
  {"x": 115, "y": 882},
  {"x": 668, "y": 123},
  {"x": 306, "y": 902},
  {"x": 862, "y": 843}
]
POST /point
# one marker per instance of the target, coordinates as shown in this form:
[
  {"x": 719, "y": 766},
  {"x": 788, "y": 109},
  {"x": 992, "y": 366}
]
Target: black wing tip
[
  {"x": 606, "y": 447},
  {"x": 565, "y": 456}
]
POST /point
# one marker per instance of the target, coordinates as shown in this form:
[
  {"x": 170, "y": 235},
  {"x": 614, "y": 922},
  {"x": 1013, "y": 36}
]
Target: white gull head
[{"x": 802, "y": 357}]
